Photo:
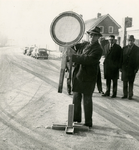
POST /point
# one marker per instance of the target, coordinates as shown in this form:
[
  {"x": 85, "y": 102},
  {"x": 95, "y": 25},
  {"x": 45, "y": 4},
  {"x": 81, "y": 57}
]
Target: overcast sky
[{"x": 28, "y": 21}]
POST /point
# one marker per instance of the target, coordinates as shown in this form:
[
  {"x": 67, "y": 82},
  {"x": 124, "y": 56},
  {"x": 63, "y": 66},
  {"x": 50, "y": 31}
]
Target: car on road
[
  {"x": 25, "y": 50},
  {"x": 40, "y": 53},
  {"x": 29, "y": 51}
]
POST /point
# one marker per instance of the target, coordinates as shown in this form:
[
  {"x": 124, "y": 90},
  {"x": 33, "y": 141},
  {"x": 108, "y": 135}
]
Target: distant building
[
  {"x": 106, "y": 23},
  {"x": 131, "y": 31}
]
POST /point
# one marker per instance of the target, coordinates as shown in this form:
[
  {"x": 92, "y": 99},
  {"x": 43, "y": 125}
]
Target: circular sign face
[{"x": 67, "y": 29}]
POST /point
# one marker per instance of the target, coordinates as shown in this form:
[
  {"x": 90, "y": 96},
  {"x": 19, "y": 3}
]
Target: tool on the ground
[{"x": 71, "y": 127}]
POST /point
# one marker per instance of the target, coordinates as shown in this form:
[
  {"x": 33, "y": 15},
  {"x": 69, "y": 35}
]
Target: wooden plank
[
  {"x": 70, "y": 115},
  {"x": 63, "y": 67},
  {"x": 70, "y": 129},
  {"x": 62, "y": 71},
  {"x": 70, "y": 69},
  {"x": 59, "y": 126}
]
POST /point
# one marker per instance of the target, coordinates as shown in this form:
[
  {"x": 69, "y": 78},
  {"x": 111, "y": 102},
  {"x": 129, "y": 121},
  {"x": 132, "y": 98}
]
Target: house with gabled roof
[{"x": 106, "y": 23}]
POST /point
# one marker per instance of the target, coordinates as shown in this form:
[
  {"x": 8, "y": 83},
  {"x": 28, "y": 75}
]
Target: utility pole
[
  {"x": 127, "y": 22},
  {"x": 123, "y": 37}
]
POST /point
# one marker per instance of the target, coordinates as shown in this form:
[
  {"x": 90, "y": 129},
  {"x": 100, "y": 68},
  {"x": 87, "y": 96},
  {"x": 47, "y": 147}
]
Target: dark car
[
  {"x": 29, "y": 51},
  {"x": 40, "y": 53},
  {"x": 25, "y": 50}
]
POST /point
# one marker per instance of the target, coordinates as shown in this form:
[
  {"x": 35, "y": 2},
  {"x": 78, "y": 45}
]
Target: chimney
[{"x": 98, "y": 15}]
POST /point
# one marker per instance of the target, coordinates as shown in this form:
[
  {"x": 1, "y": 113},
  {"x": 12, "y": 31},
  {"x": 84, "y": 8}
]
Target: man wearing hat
[
  {"x": 84, "y": 77},
  {"x": 111, "y": 66},
  {"x": 129, "y": 67}
]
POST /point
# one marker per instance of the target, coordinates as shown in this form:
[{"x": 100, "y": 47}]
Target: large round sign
[{"x": 67, "y": 29}]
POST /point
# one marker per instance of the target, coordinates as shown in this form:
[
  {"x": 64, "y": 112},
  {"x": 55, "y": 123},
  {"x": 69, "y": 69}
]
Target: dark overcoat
[
  {"x": 112, "y": 61},
  {"x": 129, "y": 63},
  {"x": 86, "y": 66}
]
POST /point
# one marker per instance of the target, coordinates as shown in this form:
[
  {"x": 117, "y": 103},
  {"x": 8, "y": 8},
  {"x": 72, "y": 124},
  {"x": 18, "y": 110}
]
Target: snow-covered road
[{"x": 30, "y": 105}]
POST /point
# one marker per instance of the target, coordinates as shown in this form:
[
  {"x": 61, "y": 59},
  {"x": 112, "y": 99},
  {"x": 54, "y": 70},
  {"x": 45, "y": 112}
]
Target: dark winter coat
[
  {"x": 129, "y": 63},
  {"x": 86, "y": 67},
  {"x": 112, "y": 61}
]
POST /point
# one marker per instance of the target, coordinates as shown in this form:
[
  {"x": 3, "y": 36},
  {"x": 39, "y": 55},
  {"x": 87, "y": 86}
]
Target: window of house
[
  {"x": 101, "y": 29},
  {"x": 110, "y": 29}
]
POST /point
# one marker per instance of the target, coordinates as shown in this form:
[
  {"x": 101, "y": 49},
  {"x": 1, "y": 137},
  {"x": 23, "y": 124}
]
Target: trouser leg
[
  {"x": 68, "y": 86},
  {"x": 99, "y": 83},
  {"x": 114, "y": 87},
  {"x": 108, "y": 86},
  {"x": 77, "y": 97},
  {"x": 88, "y": 109},
  {"x": 130, "y": 89},
  {"x": 125, "y": 88}
]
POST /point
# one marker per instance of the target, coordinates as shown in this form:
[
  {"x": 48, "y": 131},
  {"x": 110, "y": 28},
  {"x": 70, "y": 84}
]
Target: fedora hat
[
  {"x": 112, "y": 36},
  {"x": 95, "y": 30},
  {"x": 131, "y": 37}
]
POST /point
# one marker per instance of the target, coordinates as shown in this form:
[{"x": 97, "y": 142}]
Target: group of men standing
[
  {"x": 125, "y": 60},
  {"x": 86, "y": 58}
]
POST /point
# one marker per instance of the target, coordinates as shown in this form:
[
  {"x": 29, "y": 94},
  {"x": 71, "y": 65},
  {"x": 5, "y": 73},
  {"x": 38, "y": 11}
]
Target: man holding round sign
[
  {"x": 84, "y": 77},
  {"x": 67, "y": 29}
]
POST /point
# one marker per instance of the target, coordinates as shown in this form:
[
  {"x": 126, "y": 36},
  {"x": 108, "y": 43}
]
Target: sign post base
[{"x": 71, "y": 127}]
